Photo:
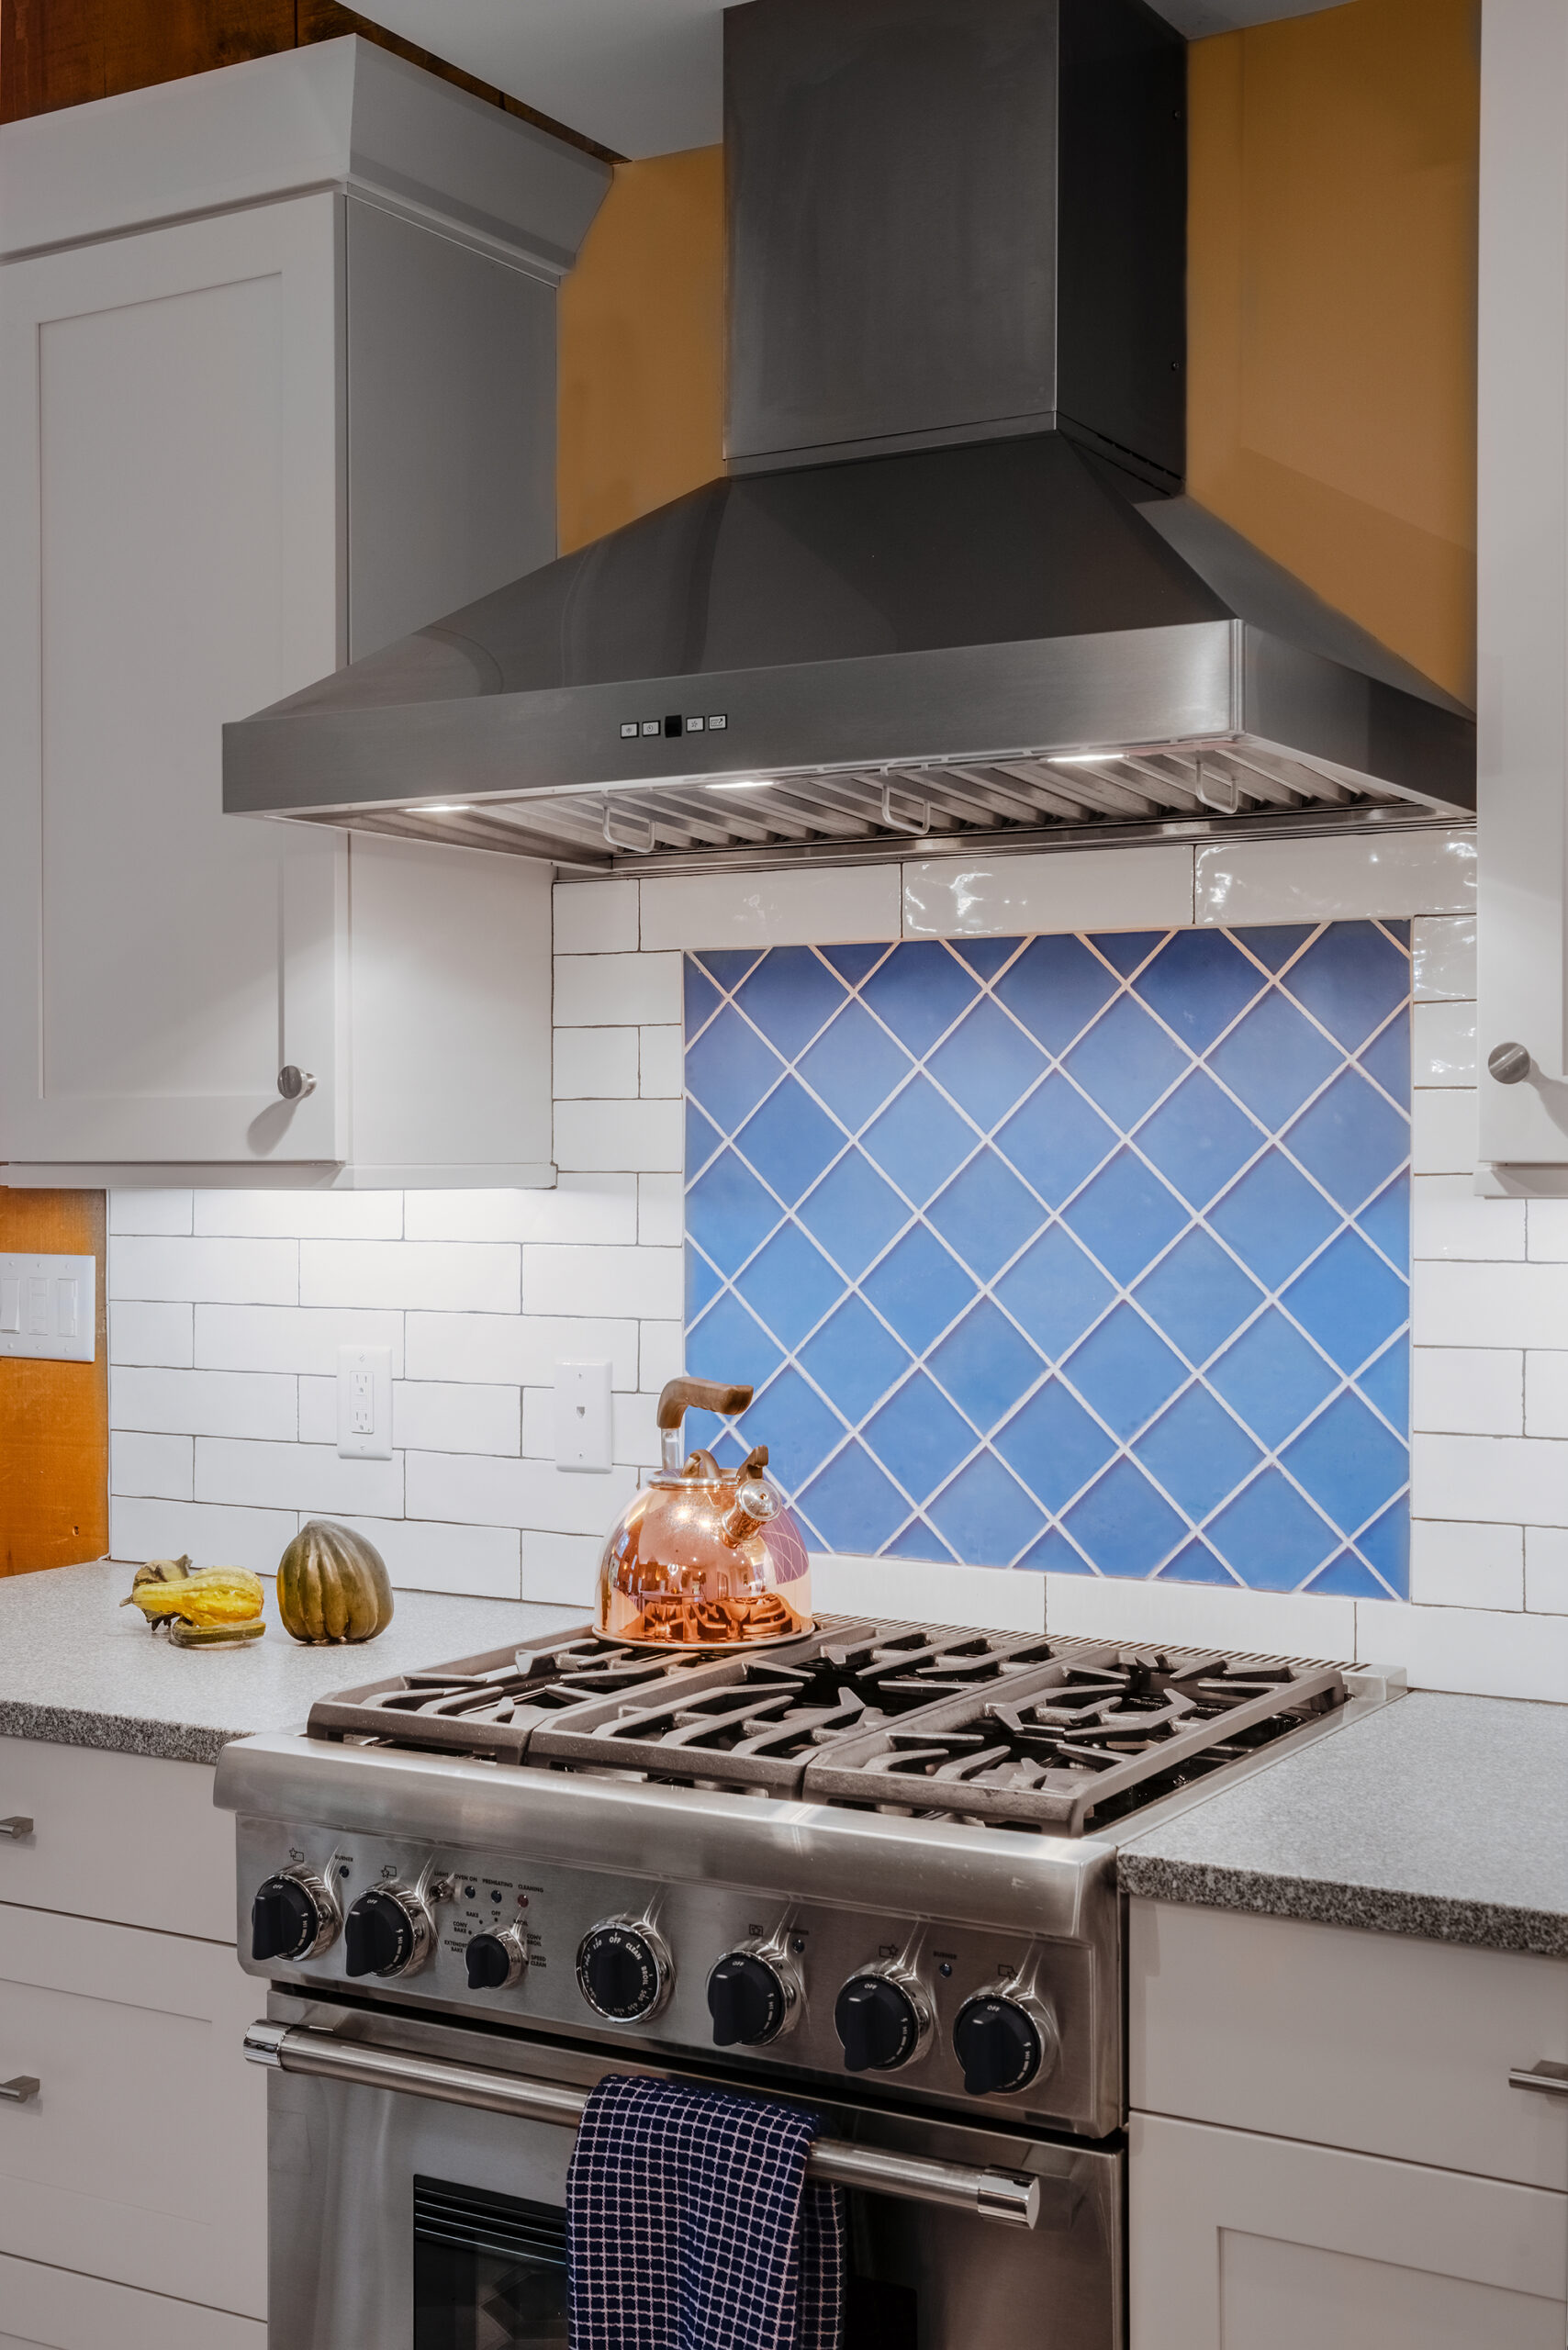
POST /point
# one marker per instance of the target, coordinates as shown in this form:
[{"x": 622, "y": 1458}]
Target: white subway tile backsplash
[
  {"x": 143, "y": 1333},
  {"x": 842, "y": 1585},
  {"x": 1069, "y": 890},
  {"x": 1266, "y": 1622},
  {"x": 595, "y": 1063},
  {"x": 661, "y": 1074},
  {"x": 150, "y": 1211},
  {"x": 439, "y": 1415},
  {"x": 1547, "y": 1226},
  {"x": 452, "y": 1276},
  {"x": 239, "y": 1272},
  {"x": 1504, "y": 1481},
  {"x": 1466, "y": 1566},
  {"x": 1442, "y": 1042},
  {"x": 473, "y": 1488},
  {"x": 637, "y": 1439},
  {"x": 1476, "y": 1389},
  {"x": 1347, "y": 877},
  {"x": 661, "y": 1211},
  {"x": 422, "y": 1555},
  {"x": 539, "y": 1422},
  {"x": 617, "y": 991},
  {"x": 633, "y": 1282},
  {"x": 1546, "y": 1569},
  {"x": 159, "y": 1465},
  {"x": 600, "y": 1210},
  {"x": 1448, "y": 1219},
  {"x": 1546, "y": 1394},
  {"x": 561, "y": 1569},
  {"x": 824, "y": 907},
  {"x": 635, "y": 1135},
  {"x": 300, "y": 1215},
  {"x": 208, "y": 1537},
  {"x": 1490, "y": 1306},
  {"x": 1442, "y": 957},
  {"x": 310, "y": 1478},
  {"x": 1444, "y": 1131},
  {"x": 518, "y": 1350},
  {"x": 663, "y": 1356},
  {"x": 318, "y": 1411},
  {"x": 595, "y": 917},
  {"x": 1469, "y": 1649},
  {"x": 297, "y": 1338},
  {"x": 262, "y": 1404}
]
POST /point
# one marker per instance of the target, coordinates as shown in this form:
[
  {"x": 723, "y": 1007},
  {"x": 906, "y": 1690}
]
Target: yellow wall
[{"x": 1331, "y": 299}]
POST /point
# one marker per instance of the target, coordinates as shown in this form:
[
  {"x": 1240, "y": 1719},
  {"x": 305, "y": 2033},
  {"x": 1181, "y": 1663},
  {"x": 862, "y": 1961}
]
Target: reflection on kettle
[{"x": 704, "y": 1557}]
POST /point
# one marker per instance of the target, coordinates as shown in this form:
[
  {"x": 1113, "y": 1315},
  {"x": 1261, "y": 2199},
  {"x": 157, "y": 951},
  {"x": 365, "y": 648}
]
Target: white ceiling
[{"x": 644, "y": 76}]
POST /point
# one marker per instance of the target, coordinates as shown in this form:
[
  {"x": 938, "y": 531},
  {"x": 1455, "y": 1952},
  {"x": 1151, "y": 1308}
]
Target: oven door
[{"x": 402, "y": 2222}]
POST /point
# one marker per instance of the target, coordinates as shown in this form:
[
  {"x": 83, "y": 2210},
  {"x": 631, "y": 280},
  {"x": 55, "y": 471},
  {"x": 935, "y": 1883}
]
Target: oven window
[{"x": 490, "y": 2270}]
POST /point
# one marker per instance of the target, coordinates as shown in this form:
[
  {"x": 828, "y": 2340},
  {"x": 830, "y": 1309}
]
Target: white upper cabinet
[{"x": 239, "y": 449}]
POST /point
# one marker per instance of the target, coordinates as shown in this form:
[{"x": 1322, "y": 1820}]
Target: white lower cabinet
[{"x": 62, "y": 2311}]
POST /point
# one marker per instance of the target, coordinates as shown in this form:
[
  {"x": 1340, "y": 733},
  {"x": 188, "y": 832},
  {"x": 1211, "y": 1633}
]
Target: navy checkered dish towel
[{"x": 690, "y": 2226}]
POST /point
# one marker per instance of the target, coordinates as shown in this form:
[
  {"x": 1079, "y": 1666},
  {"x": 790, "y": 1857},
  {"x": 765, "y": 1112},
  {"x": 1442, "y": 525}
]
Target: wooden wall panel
[{"x": 54, "y": 1417}]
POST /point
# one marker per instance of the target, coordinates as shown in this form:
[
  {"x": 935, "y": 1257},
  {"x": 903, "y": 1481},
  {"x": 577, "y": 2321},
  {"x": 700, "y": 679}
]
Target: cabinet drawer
[
  {"x": 120, "y": 1837},
  {"x": 142, "y": 2159},
  {"x": 1244, "y": 2243},
  {"x": 58, "y": 2310},
  {"x": 1375, "y": 2041}
]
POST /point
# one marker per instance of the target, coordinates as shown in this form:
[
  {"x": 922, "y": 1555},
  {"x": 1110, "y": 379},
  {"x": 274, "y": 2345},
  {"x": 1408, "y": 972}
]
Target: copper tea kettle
[{"x": 704, "y": 1557}]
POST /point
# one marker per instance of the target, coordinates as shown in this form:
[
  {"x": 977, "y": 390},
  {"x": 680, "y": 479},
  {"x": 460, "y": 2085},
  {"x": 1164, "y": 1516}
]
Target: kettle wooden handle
[{"x": 679, "y": 1396}]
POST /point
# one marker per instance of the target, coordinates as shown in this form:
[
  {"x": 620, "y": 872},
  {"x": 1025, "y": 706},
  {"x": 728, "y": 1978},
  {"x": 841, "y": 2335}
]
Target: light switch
[
  {"x": 582, "y": 1416},
  {"x": 49, "y": 1308},
  {"x": 364, "y": 1403}
]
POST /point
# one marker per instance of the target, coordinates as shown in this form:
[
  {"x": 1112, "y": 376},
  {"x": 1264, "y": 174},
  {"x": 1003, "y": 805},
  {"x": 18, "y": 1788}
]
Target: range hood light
[
  {"x": 754, "y": 783},
  {"x": 447, "y": 808},
  {"x": 1084, "y": 758}
]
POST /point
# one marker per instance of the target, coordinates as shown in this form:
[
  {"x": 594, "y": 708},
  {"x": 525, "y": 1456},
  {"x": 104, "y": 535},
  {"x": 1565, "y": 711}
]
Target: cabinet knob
[
  {"x": 16, "y": 1827},
  {"x": 21, "y": 2089},
  {"x": 1509, "y": 1064},
  {"x": 295, "y": 1083}
]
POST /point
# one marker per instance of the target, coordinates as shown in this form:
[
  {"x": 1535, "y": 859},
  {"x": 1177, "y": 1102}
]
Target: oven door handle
[{"x": 1003, "y": 2195}]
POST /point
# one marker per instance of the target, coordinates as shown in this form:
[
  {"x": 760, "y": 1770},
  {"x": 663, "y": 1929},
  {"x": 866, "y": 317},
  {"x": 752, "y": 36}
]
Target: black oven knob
[
  {"x": 625, "y": 1970},
  {"x": 882, "y": 2020},
  {"x": 750, "y": 1998},
  {"x": 292, "y": 1917},
  {"x": 387, "y": 1931},
  {"x": 1003, "y": 2041},
  {"x": 495, "y": 1961}
]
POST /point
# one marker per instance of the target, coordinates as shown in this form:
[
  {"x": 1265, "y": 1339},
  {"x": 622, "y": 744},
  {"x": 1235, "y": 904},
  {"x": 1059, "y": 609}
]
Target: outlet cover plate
[
  {"x": 364, "y": 1403},
  {"x": 49, "y": 1308},
  {"x": 582, "y": 1416}
]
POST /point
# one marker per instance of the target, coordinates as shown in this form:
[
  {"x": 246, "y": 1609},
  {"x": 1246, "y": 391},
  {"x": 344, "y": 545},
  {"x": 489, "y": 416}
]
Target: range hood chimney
[{"x": 950, "y": 587}]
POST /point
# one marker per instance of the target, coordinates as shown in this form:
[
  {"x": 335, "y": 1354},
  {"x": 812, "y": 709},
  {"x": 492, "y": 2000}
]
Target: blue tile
[
  {"x": 918, "y": 1140},
  {"x": 1197, "y": 1563},
  {"x": 1274, "y": 944},
  {"x": 1386, "y": 1384},
  {"x": 1386, "y": 1222},
  {"x": 1126, "y": 950},
  {"x": 789, "y": 996},
  {"x": 1199, "y": 1139},
  {"x": 1126, "y": 1062},
  {"x": 919, "y": 1288},
  {"x": 1348, "y": 1301},
  {"x": 1399, "y": 931},
  {"x": 1125, "y": 1371},
  {"x": 1346, "y": 1578},
  {"x": 1197, "y": 1453},
  {"x": 854, "y": 1066},
  {"x": 986, "y": 956},
  {"x": 1351, "y": 978},
  {"x": 851, "y": 963},
  {"x": 1053, "y": 1445},
  {"x": 920, "y": 991},
  {"x": 919, "y": 1540},
  {"x": 1350, "y": 1138},
  {"x": 1053, "y": 1554},
  {"x": 1198, "y": 983},
  {"x": 728, "y": 1213},
  {"x": 729, "y": 1069},
  {"x": 1273, "y": 1218},
  {"x": 851, "y": 1503},
  {"x": 984, "y": 1365},
  {"x": 1387, "y": 1058},
  {"x": 730, "y": 1344},
  {"x": 853, "y": 1214},
  {"x": 1198, "y": 1296},
  {"x": 854, "y": 1359},
  {"x": 987, "y": 1063},
  {"x": 1387, "y": 1547},
  {"x": 985, "y": 1515},
  {"x": 1054, "y": 988},
  {"x": 1055, "y": 1291},
  {"x": 789, "y": 1141},
  {"x": 1273, "y": 1060},
  {"x": 729, "y": 965},
  {"x": 793, "y": 1420},
  {"x": 985, "y": 1214},
  {"x": 1271, "y": 1378},
  {"x": 1126, "y": 1528},
  {"x": 702, "y": 1139},
  {"x": 1125, "y": 1216},
  {"x": 1272, "y": 1539},
  {"x": 789, "y": 1285},
  {"x": 1055, "y": 1139},
  {"x": 1348, "y": 1463},
  {"x": 918, "y": 1437},
  {"x": 702, "y": 998},
  {"x": 702, "y": 1285}
]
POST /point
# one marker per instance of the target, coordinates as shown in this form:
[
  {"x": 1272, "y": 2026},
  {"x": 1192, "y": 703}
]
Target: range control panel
[{"x": 952, "y": 2013}]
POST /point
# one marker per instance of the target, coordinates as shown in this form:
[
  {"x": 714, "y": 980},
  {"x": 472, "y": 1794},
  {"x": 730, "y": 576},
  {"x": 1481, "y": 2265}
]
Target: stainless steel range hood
[{"x": 950, "y": 587}]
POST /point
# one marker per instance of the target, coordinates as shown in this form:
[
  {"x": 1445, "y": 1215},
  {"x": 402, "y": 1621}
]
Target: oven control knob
[
  {"x": 1002, "y": 2042},
  {"x": 495, "y": 1961},
  {"x": 387, "y": 1932},
  {"x": 623, "y": 1970},
  {"x": 883, "y": 2019},
  {"x": 292, "y": 1917},
  {"x": 750, "y": 1998}
]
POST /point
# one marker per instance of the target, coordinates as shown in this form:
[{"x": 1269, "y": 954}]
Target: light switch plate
[
  {"x": 582, "y": 1416},
  {"x": 49, "y": 1308},
  {"x": 364, "y": 1403}
]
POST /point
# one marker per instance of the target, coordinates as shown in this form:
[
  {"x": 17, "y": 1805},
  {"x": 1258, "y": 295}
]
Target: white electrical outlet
[
  {"x": 49, "y": 1308},
  {"x": 364, "y": 1403},
  {"x": 582, "y": 1416}
]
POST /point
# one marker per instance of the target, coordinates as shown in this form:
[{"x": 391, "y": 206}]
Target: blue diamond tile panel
[{"x": 1081, "y": 1253}]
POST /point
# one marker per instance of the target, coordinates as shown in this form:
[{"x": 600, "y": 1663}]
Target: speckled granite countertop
[
  {"x": 78, "y": 1670},
  {"x": 1442, "y": 1817}
]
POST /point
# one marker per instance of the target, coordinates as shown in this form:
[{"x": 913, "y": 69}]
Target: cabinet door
[
  {"x": 170, "y": 556},
  {"x": 1244, "y": 2243}
]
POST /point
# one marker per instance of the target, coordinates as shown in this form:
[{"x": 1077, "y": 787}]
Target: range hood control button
[
  {"x": 1003, "y": 2042},
  {"x": 624, "y": 1972},
  {"x": 293, "y": 1916},
  {"x": 389, "y": 1931},
  {"x": 495, "y": 1961},
  {"x": 882, "y": 2019},
  {"x": 750, "y": 1998}
]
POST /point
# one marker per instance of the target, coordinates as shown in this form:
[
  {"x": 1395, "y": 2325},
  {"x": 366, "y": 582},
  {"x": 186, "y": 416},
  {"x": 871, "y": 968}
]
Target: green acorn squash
[{"x": 332, "y": 1586}]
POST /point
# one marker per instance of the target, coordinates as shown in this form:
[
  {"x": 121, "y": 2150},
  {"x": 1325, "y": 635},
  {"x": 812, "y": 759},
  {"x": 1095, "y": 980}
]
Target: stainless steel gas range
[{"x": 872, "y": 1870}]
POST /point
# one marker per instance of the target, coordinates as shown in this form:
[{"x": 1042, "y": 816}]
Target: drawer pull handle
[
  {"x": 16, "y": 1827},
  {"x": 1549, "y": 2078},
  {"x": 21, "y": 2089}
]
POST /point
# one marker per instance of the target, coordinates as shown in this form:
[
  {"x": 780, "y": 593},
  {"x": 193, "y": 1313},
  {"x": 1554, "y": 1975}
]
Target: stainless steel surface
[
  {"x": 1509, "y": 1064},
  {"x": 16, "y": 1827},
  {"x": 20, "y": 2090},
  {"x": 1549, "y": 2078},
  {"x": 295, "y": 1083},
  {"x": 993, "y": 2194}
]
